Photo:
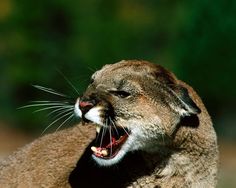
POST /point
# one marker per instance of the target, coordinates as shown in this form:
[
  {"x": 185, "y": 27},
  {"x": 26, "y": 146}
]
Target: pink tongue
[{"x": 113, "y": 142}]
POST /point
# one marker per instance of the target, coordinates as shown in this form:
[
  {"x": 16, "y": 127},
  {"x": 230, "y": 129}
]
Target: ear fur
[{"x": 185, "y": 105}]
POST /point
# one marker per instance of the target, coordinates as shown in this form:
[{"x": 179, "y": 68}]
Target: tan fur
[
  {"x": 48, "y": 161},
  {"x": 175, "y": 143}
]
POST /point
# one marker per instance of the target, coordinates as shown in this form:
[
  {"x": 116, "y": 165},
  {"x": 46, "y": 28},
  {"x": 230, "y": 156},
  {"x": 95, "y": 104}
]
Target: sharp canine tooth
[
  {"x": 104, "y": 152},
  {"x": 94, "y": 149},
  {"x": 98, "y": 128}
]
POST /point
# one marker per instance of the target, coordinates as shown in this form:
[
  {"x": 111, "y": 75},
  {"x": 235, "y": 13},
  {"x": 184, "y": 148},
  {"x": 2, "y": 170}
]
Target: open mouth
[{"x": 109, "y": 141}]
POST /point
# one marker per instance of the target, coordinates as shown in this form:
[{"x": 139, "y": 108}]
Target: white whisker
[
  {"x": 63, "y": 102},
  {"x": 60, "y": 109},
  {"x": 163, "y": 139},
  {"x": 43, "y": 104},
  {"x": 69, "y": 82},
  {"x": 55, "y": 121},
  {"x": 49, "y": 90},
  {"x": 64, "y": 122},
  {"x": 103, "y": 132},
  {"x": 114, "y": 125},
  {"x": 110, "y": 140},
  {"x": 51, "y": 107},
  {"x": 125, "y": 130},
  {"x": 63, "y": 112}
]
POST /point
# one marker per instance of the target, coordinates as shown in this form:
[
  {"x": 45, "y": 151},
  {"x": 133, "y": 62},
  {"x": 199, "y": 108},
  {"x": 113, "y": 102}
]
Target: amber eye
[{"x": 120, "y": 93}]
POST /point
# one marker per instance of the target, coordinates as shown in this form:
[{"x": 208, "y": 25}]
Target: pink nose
[{"x": 85, "y": 104}]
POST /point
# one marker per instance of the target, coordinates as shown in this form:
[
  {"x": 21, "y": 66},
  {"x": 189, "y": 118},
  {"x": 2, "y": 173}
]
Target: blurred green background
[{"x": 39, "y": 39}]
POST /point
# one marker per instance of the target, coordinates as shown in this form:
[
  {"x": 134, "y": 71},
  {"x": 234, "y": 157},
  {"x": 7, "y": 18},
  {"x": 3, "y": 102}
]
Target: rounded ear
[
  {"x": 184, "y": 104},
  {"x": 181, "y": 102}
]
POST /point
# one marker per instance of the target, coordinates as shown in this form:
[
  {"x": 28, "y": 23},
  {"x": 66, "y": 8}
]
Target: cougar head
[{"x": 135, "y": 105}]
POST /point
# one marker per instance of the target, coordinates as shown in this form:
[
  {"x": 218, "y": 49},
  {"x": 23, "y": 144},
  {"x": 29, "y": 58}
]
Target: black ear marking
[
  {"x": 187, "y": 104},
  {"x": 163, "y": 75}
]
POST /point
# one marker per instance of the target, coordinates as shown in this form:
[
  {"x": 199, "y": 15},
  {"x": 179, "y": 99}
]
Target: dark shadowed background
[{"x": 42, "y": 42}]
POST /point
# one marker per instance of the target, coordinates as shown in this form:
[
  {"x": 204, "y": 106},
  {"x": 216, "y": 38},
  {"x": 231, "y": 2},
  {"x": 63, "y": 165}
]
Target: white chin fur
[{"x": 94, "y": 115}]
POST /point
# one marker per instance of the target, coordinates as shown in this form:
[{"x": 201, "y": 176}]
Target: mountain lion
[{"x": 142, "y": 127}]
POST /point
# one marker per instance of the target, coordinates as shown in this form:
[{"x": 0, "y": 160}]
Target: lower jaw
[
  {"x": 107, "y": 157},
  {"x": 108, "y": 161}
]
